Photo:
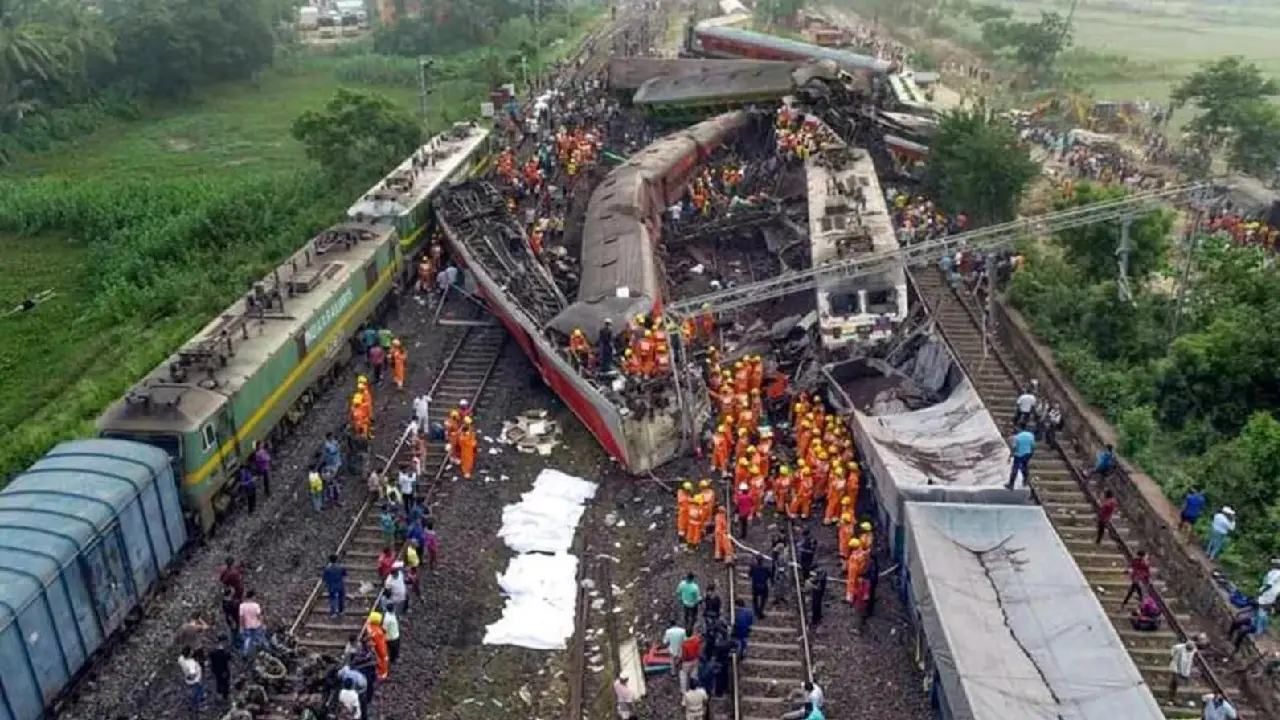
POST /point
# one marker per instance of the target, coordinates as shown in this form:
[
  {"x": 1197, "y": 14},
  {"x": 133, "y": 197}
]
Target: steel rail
[{"x": 1082, "y": 480}]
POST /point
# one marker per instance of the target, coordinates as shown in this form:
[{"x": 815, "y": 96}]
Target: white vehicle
[{"x": 308, "y": 18}]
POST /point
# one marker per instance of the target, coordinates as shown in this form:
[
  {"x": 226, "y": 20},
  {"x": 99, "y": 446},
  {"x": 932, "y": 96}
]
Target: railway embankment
[{"x": 1186, "y": 569}]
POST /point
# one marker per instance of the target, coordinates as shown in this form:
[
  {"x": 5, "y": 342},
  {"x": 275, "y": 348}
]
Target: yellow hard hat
[
  {"x": 742, "y": 431},
  {"x": 627, "y": 353},
  {"x": 846, "y": 500},
  {"x": 577, "y": 331},
  {"x": 375, "y": 618},
  {"x": 755, "y": 391},
  {"x": 468, "y": 420},
  {"x": 847, "y": 517},
  {"x": 698, "y": 499},
  {"x": 722, "y": 427},
  {"x": 687, "y": 486},
  {"x": 395, "y": 342},
  {"x": 357, "y": 398},
  {"x": 640, "y": 318},
  {"x": 711, "y": 349},
  {"x": 865, "y": 527},
  {"x": 738, "y": 364},
  {"x": 755, "y": 468},
  {"x": 854, "y": 543},
  {"x": 784, "y": 470},
  {"x": 362, "y": 379},
  {"x": 752, "y": 448},
  {"x": 648, "y": 333},
  {"x": 705, "y": 483}
]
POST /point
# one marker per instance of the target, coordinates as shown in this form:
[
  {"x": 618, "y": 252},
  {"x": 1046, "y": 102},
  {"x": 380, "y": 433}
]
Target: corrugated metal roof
[{"x": 54, "y": 510}]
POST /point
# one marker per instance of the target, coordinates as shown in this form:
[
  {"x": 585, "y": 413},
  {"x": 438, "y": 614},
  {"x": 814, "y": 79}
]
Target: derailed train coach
[
  {"x": 86, "y": 533},
  {"x": 620, "y": 276},
  {"x": 706, "y": 40}
]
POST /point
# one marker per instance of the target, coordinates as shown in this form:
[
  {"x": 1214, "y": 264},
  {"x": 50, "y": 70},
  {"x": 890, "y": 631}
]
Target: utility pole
[
  {"x": 424, "y": 64},
  {"x": 537, "y": 41}
]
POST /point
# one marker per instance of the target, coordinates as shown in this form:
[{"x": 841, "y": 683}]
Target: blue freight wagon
[{"x": 85, "y": 535}]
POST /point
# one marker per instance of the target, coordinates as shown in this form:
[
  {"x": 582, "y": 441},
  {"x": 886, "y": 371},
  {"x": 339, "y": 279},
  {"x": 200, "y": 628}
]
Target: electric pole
[{"x": 537, "y": 41}]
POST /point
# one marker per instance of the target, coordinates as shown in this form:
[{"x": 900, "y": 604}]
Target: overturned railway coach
[
  {"x": 705, "y": 40},
  {"x": 620, "y": 276},
  {"x": 690, "y": 97}
]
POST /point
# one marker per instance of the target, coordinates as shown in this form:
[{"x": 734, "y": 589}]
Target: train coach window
[
  {"x": 209, "y": 435},
  {"x": 881, "y": 301}
]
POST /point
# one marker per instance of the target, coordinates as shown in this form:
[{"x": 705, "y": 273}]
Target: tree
[
  {"x": 1035, "y": 45},
  {"x": 1093, "y": 248},
  {"x": 358, "y": 135},
  {"x": 1223, "y": 92},
  {"x": 1255, "y": 143},
  {"x": 977, "y": 167},
  {"x": 985, "y": 13},
  {"x": 28, "y": 56}
]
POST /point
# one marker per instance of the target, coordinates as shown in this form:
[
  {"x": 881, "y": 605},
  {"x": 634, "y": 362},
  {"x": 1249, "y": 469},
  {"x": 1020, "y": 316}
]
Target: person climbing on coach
[{"x": 579, "y": 349}]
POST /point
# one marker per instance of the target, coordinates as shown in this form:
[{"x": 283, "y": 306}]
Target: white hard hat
[
  {"x": 743, "y": 486},
  {"x": 1228, "y": 511}
]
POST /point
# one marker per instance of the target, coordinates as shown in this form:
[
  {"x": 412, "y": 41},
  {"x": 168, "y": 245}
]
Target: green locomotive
[{"x": 254, "y": 369}]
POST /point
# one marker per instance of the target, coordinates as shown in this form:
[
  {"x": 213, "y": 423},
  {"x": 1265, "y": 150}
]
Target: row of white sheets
[{"x": 541, "y": 582}]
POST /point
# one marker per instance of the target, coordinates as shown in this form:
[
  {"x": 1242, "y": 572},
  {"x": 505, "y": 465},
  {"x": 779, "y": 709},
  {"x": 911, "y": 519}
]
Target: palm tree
[{"x": 28, "y": 57}]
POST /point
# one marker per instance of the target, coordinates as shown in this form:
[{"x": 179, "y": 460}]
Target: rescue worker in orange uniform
[
  {"x": 720, "y": 449},
  {"x": 758, "y": 485},
  {"x": 662, "y": 360},
  {"x": 744, "y": 442},
  {"x": 835, "y": 493},
  {"x": 723, "y": 546},
  {"x": 866, "y": 536},
  {"x": 697, "y": 522},
  {"x": 645, "y": 351},
  {"x": 378, "y": 639},
  {"x": 741, "y": 378},
  {"x": 708, "y": 495},
  {"x": 580, "y": 348},
  {"x": 782, "y": 490},
  {"x": 452, "y": 427},
  {"x": 707, "y": 322},
  {"x": 630, "y": 363},
  {"x": 362, "y": 387},
  {"x": 799, "y": 409},
  {"x": 684, "y": 496},
  {"x": 755, "y": 373},
  {"x": 426, "y": 274},
  {"x": 467, "y": 447},
  {"x": 764, "y": 448},
  {"x": 398, "y": 359},
  {"x": 853, "y": 480},
  {"x": 802, "y": 501},
  {"x": 854, "y": 566},
  {"x": 359, "y": 417},
  {"x": 688, "y": 331},
  {"x": 844, "y": 533},
  {"x": 742, "y": 470}
]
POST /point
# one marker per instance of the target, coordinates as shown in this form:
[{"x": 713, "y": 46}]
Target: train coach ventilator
[
  {"x": 319, "y": 637},
  {"x": 1071, "y": 506},
  {"x": 86, "y": 535}
]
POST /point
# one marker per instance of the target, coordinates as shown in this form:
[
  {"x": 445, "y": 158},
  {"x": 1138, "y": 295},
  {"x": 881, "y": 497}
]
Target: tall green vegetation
[
  {"x": 1187, "y": 378},
  {"x": 357, "y": 134},
  {"x": 977, "y": 167},
  {"x": 65, "y": 65},
  {"x": 1235, "y": 111}
]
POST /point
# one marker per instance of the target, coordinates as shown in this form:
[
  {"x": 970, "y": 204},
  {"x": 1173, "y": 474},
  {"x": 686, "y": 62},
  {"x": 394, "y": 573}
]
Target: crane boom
[{"x": 984, "y": 239}]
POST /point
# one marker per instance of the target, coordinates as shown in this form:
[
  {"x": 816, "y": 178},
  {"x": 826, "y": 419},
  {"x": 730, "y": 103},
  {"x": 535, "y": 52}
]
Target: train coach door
[
  {"x": 224, "y": 433},
  {"x": 109, "y": 580}
]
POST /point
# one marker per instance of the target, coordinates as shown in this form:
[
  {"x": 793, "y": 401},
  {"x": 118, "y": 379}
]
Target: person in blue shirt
[
  {"x": 1023, "y": 445},
  {"x": 335, "y": 584},
  {"x": 1105, "y": 463},
  {"x": 742, "y": 622},
  {"x": 1192, "y": 508}
]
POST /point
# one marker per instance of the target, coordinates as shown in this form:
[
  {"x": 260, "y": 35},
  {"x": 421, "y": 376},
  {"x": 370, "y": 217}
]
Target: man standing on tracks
[
  {"x": 1182, "y": 661},
  {"x": 1024, "y": 406},
  {"x": 262, "y": 467},
  {"x": 467, "y": 447},
  {"x": 690, "y": 596},
  {"x": 806, "y": 550},
  {"x": 399, "y": 357},
  {"x": 742, "y": 622},
  {"x": 760, "y": 575},
  {"x": 1023, "y": 446},
  {"x": 335, "y": 585},
  {"x": 193, "y": 676},
  {"x": 1106, "y": 511},
  {"x": 377, "y": 361},
  {"x": 251, "y": 623},
  {"x": 723, "y": 545}
]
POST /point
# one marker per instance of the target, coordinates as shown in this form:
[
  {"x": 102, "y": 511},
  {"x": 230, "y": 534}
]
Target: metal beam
[{"x": 985, "y": 239}]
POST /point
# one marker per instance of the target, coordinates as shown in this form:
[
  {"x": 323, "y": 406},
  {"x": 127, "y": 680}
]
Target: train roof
[
  {"x": 403, "y": 189},
  {"x": 846, "y": 59},
  {"x": 629, "y": 73},
  {"x": 283, "y": 308},
  {"x": 1014, "y": 628},
  {"x": 53, "y": 511},
  {"x": 832, "y": 216},
  {"x": 772, "y": 79},
  {"x": 728, "y": 19}
]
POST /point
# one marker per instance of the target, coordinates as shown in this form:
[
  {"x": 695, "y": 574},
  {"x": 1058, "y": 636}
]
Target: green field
[
  {"x": 229, "y": 131},
  {"x": 1168, "y": 40}
]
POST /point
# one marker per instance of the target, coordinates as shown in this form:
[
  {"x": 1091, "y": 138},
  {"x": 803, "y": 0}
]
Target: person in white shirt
[
  {"x": 349, "y": 701},
  {"x": 694, "y": 703},
  {"x": 1182, "y": 659},
  {"x": 674, "y": 638},
  {"x": 807, "y": 695},
  {"x": 1217, "y": 707},
  {"x": 193, "y": 676},
  {"x": 421, "y": 411},
  {"x": 1025, "y": 404},
  {"x": 1269, "y": 591},
  {"x": 406, "y": 483},
  {"x": 391, "y": 626},
  {"x": 624, "y": 697},
  {"x": 396, "y": 589}
]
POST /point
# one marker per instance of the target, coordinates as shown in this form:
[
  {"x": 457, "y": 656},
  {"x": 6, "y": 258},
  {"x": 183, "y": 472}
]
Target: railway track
[
  {"x": 464, "y": 375},
  {"x": 1059, "y": 485},
  {"x": 779, "y": 656}
]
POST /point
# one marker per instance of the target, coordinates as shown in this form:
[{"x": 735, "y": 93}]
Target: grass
[
  {"x": 61, "y": 364},
  {"x": 1171, "y": 39}
]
